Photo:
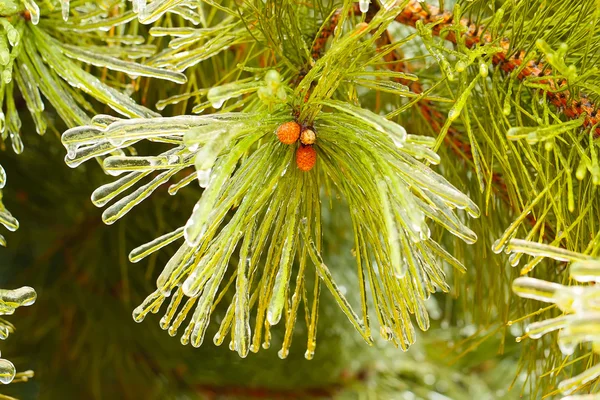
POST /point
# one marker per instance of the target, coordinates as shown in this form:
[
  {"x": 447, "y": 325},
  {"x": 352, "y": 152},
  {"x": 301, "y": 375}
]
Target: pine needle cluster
[{"x": 408, "y": 118}]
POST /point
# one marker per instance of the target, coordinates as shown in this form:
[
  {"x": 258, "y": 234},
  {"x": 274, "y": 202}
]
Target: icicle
[
  {"x": 131, "y": 68},
  {"x": 282, "y": 279},
  {"x": 219, "y": 94},
  {"x": 536, "y": 289},
  {"x": 10, "y": 300},
  {"x": 181, "y": 316},
  {"x": 170, "y": 274},
  {"x": 64, "y": 4},
  {"x": 422, "y": 315},
  {"x": 537, "y": 329},
  {"x": 79, "y": 136},
  {"x": 442, "y": 214},
  {"x": 6, "y": 328},
  {"x": 325, "y": 275},
  {"x": 165, "y": 321},
  {"x": 203, "y": 134},
  {"x": 569, "y": 386},
  {"x": 585, "y": 270},
  {"x": 416, "y": 174},
  {"x": 187, "y": 14},
  {"x": 123, "y": 206},
  {"x": 180, "y": 31},
  {"x": 174, "y": 188},
  {"x": 241, "y": 299},
  {"x": 421, "y": 152},
  {"x": 544, "y": 250},
  {"x": 139, "y": 253},
  {"x": 197, "y": 224},
  {"x": 7, "y": 219},
  {"x": 204, "y": 308},
  {"x": 105, "y": 193},
  {"x": 141, "y": 128},
  {"x": 392, "y": 233},
  {"x": 364, "y": 5},
  {"x": 225, "y": 326},
  {"x": 27, "y": 85},
  {"x": 116, "y": 165},
  {"x": 155, "y": 299}
]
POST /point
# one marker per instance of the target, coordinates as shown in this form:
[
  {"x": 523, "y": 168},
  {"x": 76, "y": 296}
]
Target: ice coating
[{"x": 580, "y": 323}]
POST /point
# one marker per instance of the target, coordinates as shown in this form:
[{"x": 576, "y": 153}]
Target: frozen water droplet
[
  {"x": 203, "y": 177},
  {"x": 483, "y": 70},
  {"x": 514, "y": 259},
  {"x": 138, "y": 315},
  {"x": 13, "y": 36},
  {"x": 23, "y": 296},
  {"x": 218, "y": 339},
  {"x": 7, "y": 371},
  {"x": 497, "y": 246},
  {"x": 283, "y": 354},
  {"x": 217, "y": 104},
  {"x": 65, "y": 9},
  {"x": 364, "y": 5}
]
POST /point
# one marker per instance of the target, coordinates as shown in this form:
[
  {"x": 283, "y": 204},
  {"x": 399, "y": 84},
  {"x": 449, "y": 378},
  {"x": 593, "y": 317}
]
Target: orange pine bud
[
  {"x": 306, "y": 157},
  {"x": 288, "y": 132}
]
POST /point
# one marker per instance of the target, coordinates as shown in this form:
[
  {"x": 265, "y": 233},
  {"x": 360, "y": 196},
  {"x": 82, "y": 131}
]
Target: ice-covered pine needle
[
  {"x": 253, "y": 241},
  {"x": 580, "y": 322},
  {"x": 37, "y": 57},
  {"x": 41, "y": 56},
  {"x": 249, "y": 176},
  {"x": 10, "y": 300}
]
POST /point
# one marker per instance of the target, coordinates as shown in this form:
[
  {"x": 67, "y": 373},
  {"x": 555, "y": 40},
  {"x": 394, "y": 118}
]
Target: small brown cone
[
  {"x": 308, "y": 136},
  {"x": 289, "y": 132},
  {"x": 306, "y": 157}
]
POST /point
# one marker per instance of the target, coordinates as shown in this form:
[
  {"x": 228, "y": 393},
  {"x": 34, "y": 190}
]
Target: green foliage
[
  {"x": 527, "y": 109},
  {"x": 241, "y": 165},
  {"x": 422, "y": 118}
]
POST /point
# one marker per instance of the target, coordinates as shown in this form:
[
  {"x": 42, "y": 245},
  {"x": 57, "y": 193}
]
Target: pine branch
[
  {"x": 394, "y": 61},
  {"x": 572, "y": 105},
  {"x": 252, "y": 180}
]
